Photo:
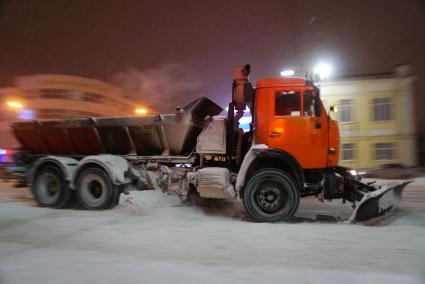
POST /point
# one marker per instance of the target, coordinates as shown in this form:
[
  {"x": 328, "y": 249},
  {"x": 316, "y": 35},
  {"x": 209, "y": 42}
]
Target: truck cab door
[{"x": 294, "y": 127}]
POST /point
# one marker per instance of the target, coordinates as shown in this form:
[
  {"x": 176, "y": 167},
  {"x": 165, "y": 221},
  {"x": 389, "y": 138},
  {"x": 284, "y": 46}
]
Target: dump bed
[{"x": 167, "y": 134}]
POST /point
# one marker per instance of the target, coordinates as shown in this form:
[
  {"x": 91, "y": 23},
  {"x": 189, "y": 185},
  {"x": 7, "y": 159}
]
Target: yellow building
[{"x": 376, "y": 118}]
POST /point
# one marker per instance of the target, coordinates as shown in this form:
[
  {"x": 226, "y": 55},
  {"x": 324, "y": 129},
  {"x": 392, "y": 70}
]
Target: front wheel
[{"x": 271, "y": 196}]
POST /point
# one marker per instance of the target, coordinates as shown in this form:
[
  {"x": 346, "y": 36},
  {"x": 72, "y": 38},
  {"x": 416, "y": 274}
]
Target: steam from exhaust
[{"x": 162, "y": 88}]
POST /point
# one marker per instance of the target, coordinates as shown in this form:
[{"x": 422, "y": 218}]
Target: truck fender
[
  {"x": 66, "y": 164},
  {"x": 260, "y": 152},
  {"x": 115, "y": 166},
  {"x": 246, "y": 163}
]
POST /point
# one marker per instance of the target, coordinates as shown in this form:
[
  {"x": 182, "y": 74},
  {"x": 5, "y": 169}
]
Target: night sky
[{"x": 165, "y": 53}]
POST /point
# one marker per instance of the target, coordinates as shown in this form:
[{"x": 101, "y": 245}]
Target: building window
[
  {"x": 63, "y": 114},
  {"x": 287, "y": 103},
  {"x": 345, "y": 109},
  {"x": 384, "y": 151},
  {"x": 382, "y": 109},
  {"x": 70, "y": 95},
  {"x": 348, "y": 152}
]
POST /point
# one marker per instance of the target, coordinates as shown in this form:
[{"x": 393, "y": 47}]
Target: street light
[
  {"x": 14, "y": 104},
  {"x": 323, "y": 70},
  {"x": 287, "y": 73},
  {"x": 140, "y": 111}
]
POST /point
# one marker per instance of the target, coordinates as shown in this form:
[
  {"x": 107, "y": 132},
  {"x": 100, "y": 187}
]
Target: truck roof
[{"x": 281, "y": 82}]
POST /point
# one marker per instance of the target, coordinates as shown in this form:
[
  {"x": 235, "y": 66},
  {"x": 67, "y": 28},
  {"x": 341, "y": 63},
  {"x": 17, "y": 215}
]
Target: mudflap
[{"x": 379, "y": 202}]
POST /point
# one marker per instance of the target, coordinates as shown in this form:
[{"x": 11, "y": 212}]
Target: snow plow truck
[{"x": 290, "y": 151}]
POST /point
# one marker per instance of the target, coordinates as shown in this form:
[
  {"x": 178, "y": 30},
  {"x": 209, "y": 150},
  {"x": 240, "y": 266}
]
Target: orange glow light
[
  {"x": 140, "y": 111},
  {"x": 14, "y": 104}
]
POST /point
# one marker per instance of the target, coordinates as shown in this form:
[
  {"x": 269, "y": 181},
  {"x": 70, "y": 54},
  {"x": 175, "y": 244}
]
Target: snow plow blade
[{"x": 379, "y": 202}]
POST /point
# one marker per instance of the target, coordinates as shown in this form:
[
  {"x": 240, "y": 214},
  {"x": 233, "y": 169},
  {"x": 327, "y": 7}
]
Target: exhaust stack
[{"x": 242, "y": 93}]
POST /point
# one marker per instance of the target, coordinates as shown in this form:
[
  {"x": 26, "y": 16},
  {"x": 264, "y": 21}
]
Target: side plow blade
[{"x": 379, "y": 202}]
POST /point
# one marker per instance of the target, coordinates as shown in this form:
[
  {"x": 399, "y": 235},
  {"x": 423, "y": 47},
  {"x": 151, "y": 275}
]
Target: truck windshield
[{"x": 287, "y": 104}]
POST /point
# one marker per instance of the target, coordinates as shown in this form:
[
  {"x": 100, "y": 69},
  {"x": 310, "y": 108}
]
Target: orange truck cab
[
  {"x": 293, "y": 152},
  {"x": 289, "y": 116}
]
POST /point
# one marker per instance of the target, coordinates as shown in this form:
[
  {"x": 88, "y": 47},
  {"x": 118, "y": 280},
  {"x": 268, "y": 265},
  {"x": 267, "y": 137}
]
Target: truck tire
[
  {"x": 50, "y": 189},
  {"x": 271, "y": 196},
  {"x": 95, "y": 190}
]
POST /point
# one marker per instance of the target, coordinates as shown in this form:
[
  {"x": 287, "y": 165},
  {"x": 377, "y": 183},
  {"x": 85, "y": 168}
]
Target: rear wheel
[
  {"x": 50, "y": 189},
  {"x": 271, "y": 196},
  {"x": 95, "y": 190}
]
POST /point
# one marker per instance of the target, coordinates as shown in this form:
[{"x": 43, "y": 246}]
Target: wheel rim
[
  {"x": 93, "y": 190},
  {"x": 269, "y": 197},
  {"x": 48, "y": 188}
]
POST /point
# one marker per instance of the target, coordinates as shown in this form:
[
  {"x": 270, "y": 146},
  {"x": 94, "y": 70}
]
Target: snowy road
[{"x": 154, "y": 243}]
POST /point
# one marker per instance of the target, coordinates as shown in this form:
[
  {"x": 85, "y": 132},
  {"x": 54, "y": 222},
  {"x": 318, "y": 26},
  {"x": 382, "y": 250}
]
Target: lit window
[
  {"x": 26, "y": 114},
  {"x": 345, "y": 110},
  {"x": 348, "y": 152},
  {"x": 382, "y": 109},
  {"x": 384, "y": 151}
]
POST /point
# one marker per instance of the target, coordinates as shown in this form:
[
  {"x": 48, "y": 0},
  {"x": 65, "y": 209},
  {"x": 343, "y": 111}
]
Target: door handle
[
  {"x": 274, "y": 134},
  {"x": 318, "y": 124}
]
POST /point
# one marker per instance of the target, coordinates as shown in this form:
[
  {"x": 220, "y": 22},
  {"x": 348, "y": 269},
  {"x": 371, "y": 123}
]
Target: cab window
[
  {"x": 287, "y": 104},
  {"x": 309, "y": 103}
]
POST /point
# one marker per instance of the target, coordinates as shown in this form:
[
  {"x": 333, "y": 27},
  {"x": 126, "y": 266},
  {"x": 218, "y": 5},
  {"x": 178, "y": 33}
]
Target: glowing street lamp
[
  {"x": 323, "y": 70},
  {"x": 14, "y": 104},
  {"x": 140, "y": 111},
  {"x": 287, "y": 73}
]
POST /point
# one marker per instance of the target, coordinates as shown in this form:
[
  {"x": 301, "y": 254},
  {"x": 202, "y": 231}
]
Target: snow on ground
[{"x": 149, "y": 238}]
